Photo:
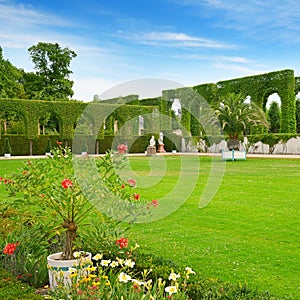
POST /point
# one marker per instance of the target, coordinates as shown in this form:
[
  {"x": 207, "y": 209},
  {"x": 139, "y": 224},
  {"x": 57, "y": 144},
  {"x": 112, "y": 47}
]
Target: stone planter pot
[{"x": 58, "y": 269}]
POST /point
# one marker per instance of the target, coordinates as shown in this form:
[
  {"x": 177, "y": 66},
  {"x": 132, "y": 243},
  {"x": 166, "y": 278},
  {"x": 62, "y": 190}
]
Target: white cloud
[
  {"x": 179, "y": 39},
  {"x": 236, "y": 59}
]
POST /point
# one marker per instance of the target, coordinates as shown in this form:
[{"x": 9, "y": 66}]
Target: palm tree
[{"x": 236, "y": 116}]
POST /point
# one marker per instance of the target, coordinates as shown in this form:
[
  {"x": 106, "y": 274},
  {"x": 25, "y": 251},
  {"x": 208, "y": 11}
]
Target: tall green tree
[
  {"x": 11, "y": 85},
  {"x": 274, "y": 117},
  {"x": 51, "y": 79},
  {"x": 236, "y": 117}
]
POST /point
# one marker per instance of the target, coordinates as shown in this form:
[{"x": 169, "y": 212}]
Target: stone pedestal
[
  {"x": 151, "y": 150},
  {"x": 161, "y": 148}
]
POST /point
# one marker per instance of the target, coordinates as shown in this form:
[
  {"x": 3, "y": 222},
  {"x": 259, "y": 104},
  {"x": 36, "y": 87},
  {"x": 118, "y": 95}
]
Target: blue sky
[{"x": 187, "y": 41}]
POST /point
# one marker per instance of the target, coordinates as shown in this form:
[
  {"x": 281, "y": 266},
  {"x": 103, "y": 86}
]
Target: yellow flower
[
  {"x": 86, "y": 279},
  {"x": 94, "y": 283},
  {"x": 91, "y": 269},
  {"x": 72, "y": 275},
  {"x": 92, "y": 275}
]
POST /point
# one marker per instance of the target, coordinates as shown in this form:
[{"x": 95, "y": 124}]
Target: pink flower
[
  {"x": 122, "y": 242},
  {"x": 10, "y": 248},
  {"x": 66, "y": 183},
  {"x": 131, "y": 182},
  {"x": 122, "y": 148}
]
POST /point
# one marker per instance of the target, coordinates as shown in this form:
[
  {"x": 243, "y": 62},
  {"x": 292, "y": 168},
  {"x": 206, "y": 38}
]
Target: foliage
[
  {"x": 11, "y": 288},
  {"x": 236, "y": 116},
  {"x": 7, "y": 147},
  {"x": 48, "y": 146},
  {"x": 53, "y": 184},
  {"x": 298, "y": 115},
  {"x": 28, "y": 261},
  {"x": 10, "y": 80},
  {"x": 51, "y": 81},
  {"x": 271, "y": 140},
  {"x": 274, "y": 117},
  {"x": 110, "y": 278}
]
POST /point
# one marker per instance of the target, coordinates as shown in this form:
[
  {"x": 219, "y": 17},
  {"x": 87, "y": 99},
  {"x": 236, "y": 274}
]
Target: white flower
[
  {"x": 114, "y": 264},
  {"x": 124, "y": 277},
  {"x": 189, "y": 271},
  {"x": 77, "y": 254},
  {"x": 105, "y": 263},
  {"x": 120, "y": 260},
  {"x": 129, "y": 263},
  {"x": 171, "y": 289},
  {"x": 98, "y": 256},
  {"x": 138, "y": 282},
  {"x": 174, "y": 276}
]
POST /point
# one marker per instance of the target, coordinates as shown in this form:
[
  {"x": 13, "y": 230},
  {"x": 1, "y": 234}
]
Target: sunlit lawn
[{"x": 250, "y": 231}]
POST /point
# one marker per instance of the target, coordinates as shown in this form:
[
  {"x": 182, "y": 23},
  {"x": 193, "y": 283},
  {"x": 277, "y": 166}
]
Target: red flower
[
  {"x": 131, "y": 182},
  {"x": 1, "y": 178},
  {"x": 136, "y": 196},
  {"x": 10, "y": 248},
  {"x": 66, "y": 183},
  {"x": 154, "y": 203},
  {"x": 123, "y": 186},
  {"x": 58, "y": 143},
  {"x": 122, "y": 242}
]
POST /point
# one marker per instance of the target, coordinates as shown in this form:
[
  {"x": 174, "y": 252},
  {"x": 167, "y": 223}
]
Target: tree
[
  {"x": 236, "y": 116},
  {"x": 274, "y": 117},
  {"x": 10, "y": 80},
  {"x": 51, "y": 80}
]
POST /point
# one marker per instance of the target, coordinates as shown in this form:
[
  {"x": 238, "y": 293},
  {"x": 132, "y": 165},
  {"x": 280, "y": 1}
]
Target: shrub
[{"x": 7, "y": 148}]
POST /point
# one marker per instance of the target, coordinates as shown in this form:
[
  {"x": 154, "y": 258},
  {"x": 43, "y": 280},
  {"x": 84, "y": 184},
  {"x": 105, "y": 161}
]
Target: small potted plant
[
  {"x": 55, "y": 185},
  {"x": 48, "y": 148},
  {"x": 7, "y": 148}
]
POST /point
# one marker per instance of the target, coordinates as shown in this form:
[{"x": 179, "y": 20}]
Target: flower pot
[
  {"x": 6, "y": 154},
  {"x": 58, "y": 269}
]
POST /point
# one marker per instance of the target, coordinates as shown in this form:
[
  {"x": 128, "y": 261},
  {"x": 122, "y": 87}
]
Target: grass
[{"x": 248, "y": 233}]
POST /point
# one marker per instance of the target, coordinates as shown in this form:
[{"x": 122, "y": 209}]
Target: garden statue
[
  {"x": 161, "y": 148},
  {"x": 152, "y": 141},
  {"x": 161, "y": 138}
]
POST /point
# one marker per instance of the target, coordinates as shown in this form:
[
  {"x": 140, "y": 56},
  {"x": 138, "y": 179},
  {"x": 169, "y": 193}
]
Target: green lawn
[{"x": 250, "y": 232}]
